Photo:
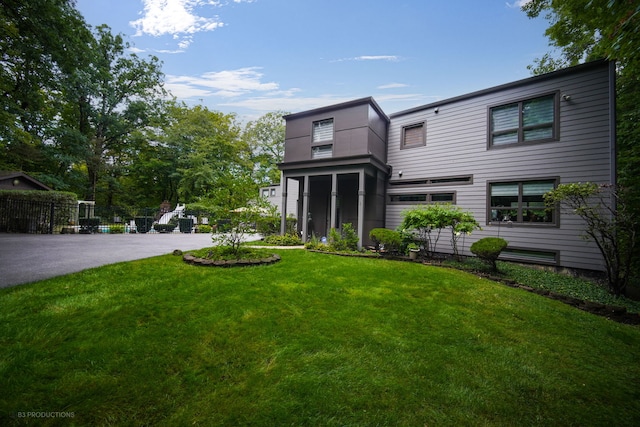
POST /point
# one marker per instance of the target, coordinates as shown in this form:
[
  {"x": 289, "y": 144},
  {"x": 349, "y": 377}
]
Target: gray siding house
[{"x": 493, "y": 152}]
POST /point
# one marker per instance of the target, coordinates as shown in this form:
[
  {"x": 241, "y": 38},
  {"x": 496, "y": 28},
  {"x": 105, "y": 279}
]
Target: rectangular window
[
  {"x": 440, "y": 181},
  {"x": 414, "y": 136},
  {"x": 273, "y": 192},
  {"x": 265, "y": 192},
  {"x": 321, "y": 151},
  {"x": 532, "y": 120},
  {"x": 536, "y": 256},
  {"x": 323, "y": 130},
  {"x": 521, "y": 202},
  {"x": 422, "y": 198}
]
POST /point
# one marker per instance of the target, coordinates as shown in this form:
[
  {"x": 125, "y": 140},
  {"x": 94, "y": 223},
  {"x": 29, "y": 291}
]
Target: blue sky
[{"x": 250, "y": 57}]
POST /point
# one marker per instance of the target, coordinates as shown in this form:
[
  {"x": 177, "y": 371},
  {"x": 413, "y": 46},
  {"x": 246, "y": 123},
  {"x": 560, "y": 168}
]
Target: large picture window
[
  {"x": 531, "y": 120},
  {"x": 521, "y": 202}
]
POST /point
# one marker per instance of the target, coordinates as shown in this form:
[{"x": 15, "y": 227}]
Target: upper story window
[
  {"x": 265, "y": 192},
  {"x": 321, "y": 151},
  {"x": 323, "y": 130},
  {"x": 414, "y": 136},
  {"x": 531, "y": 120},
  {"x": 521, "y": 202}
]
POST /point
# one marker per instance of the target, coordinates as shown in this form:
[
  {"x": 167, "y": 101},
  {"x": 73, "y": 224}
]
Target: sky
[{"x": 251, "y": 57}]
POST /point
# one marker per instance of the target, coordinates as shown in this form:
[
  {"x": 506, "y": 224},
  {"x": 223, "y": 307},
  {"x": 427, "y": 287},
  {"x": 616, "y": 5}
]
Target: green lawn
[{"x": 316, "y": 340}]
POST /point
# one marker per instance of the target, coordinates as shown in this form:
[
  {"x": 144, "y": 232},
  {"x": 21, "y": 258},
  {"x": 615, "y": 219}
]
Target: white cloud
[
  {"x": 265, "y": 104},
  {"x": 390, "y": 58},
  {"x": 392, "y": 86},
  {"x": 227, "y": 84},
  {"x": 517, "y": 4},
  {"x": 162, "y": 17}
]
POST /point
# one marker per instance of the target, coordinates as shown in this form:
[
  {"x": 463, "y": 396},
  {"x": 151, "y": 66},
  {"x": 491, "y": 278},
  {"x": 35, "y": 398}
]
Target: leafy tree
[
  {"x": 114, "y": 99},
  {"x": 265, "y": 138},
  {"x": 609, "y": 223},
  {"x": 43, "y": 43},
  {"x": 584, "y": 31},
  {"x": 429, "y": 221},
  {"x": 213, "y": 166}
]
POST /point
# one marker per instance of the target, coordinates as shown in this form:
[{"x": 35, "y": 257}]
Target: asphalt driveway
[{"x": 30, "y": 257}]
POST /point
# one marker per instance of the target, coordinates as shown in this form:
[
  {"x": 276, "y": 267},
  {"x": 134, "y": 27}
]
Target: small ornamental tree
[
  {"x": 609, "y": 222},
  {"x": 488, "y": 249},
  {"x": 429, "y": 221}
]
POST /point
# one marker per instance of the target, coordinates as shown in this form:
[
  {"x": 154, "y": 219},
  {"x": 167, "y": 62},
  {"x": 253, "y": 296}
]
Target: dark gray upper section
[{"x": 360, "y": 135}]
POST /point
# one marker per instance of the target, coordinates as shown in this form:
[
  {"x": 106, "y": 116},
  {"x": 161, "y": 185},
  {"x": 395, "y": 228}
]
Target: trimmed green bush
[
  {"x": 164, "y": 228},
  {"x": 390, "y": 240},
  {"x": 488, "y": 249},
  {"x": 284, "y": 240},
  {"x": 116, "y": 229},
  {"x": 204, "y": 228}
]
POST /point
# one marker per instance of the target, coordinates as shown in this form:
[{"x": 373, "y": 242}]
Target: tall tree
[
  {"x": 609, "y": 29},
  {"x": 42, "y": 43},
  {"x": 112, "y": 100},
  {"x": 213, "y": 162},
  {"x": 265, "y": 138}
]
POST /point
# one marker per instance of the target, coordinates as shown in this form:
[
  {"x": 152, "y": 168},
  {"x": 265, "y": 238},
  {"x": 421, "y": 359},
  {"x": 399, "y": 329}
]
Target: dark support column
[
  {"x": 305, "y": 209},
  {"x": 334, "y": 197},
  {"x": 283, "y": 208},
  {"x": 361, "y": 194}
]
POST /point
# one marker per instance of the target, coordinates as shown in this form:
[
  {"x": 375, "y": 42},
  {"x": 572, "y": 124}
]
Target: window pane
[
  {"x": 321, "y": 152},
  {"x": 536, "y": 187},
  {"x": 504, "y": 190},
  {"x": 323, "y": 130},
  {"x": 503, "y": 118},
  {"x": 442, "y": 197},
  {"x": 505, "y": 138},
  {"x": 538, "y": 133},
  {"x": 414, "y": 135},
  {"x": 538, "y": 111}
]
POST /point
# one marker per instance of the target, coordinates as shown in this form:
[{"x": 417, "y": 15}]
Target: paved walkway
[{"x": 30, "y": 257}]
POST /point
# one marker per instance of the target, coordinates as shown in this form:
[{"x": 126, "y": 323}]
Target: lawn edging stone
[{"x": 190, "y": 259}]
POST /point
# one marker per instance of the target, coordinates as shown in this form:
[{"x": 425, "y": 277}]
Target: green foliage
[
  {"x": 343, "y": 240},
  {"x": 427, "y": 222},
  {"x": 268, "y": 225},
  {"x": 265, "y": 138},
  {"x": 117, "y": 229},
  {"x": 240, "y": 224},
  {"x": 204, "y": 228},
  {"x": 283, "y": 240},
  {"x": 488, "y": 249},
  {"x": 609, "y": 222},
  {"x": 391, "y": 240}
]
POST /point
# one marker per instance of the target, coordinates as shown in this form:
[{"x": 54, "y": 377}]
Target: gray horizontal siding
[{"x": 457, "y": 145}]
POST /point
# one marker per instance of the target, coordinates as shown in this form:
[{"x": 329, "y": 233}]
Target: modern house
[{"x": 494, "y": 152}]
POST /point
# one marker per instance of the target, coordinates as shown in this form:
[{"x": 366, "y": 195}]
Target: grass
[{"x": 312, "y": 340}]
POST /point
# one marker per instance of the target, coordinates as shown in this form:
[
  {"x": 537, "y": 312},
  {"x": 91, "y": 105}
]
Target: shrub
[
  {"x": 164, "y": 228},
  {"x": 268, "y": 225},
  {"x": 390, "y": 240},
  {"x": 116, "y": 229},
  {"x": 488, "y": 249},
  {"x": 284, "y": 240},
  {"x": 347, "y": 240},
  {"x": 204, "y": 228}
]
